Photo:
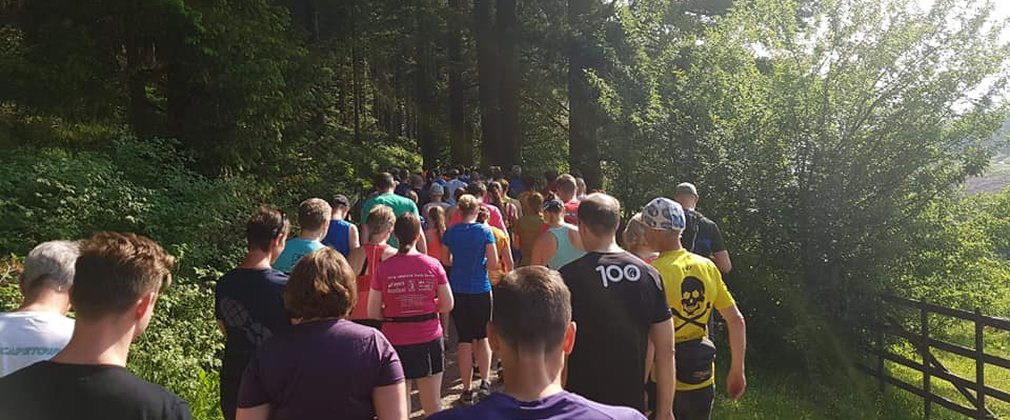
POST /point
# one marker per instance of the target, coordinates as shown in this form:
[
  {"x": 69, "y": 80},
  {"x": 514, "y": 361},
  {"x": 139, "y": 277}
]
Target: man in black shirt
[
  {"x": 619, "y": 306},
  {"x": 117, "y": 281},
  {"x": 249, "y": 301},
  {"x": 701, "y": 236}
]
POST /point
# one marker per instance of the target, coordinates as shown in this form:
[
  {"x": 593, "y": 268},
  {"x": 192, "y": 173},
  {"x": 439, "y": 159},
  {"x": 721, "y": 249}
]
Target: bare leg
[
  {"x": 430, "y": 388},
  {"x": 464, "y": 356},
  {"x": 408, "y": 383},
  {"x": 482, "y": 352}
]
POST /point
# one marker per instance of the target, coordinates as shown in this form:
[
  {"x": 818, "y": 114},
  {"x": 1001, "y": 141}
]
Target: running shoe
[
  {"x": 484, "y": 390},
  {"x": 466, "y": 398}
]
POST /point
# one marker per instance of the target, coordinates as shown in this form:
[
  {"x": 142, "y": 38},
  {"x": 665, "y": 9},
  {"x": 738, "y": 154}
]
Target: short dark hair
[
  {"x": 383, "y": 181},
  {"x": 265, "y": 225},
  {"x": 476, "y": 189},
  {"x": 321, "y": 285},
  {"x": 600, "y": 213},
  {"x": 339, "y": 200},
  {"x": 114, "y": 270},
  {"x": 532, "y": 309}
]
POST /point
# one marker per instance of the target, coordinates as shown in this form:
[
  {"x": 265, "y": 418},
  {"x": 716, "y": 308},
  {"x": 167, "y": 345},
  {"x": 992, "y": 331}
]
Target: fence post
[
  {"x": 880, "y": 355},
  {"x": 980, "y": 366},
  {"x": 927, "y": 404}
]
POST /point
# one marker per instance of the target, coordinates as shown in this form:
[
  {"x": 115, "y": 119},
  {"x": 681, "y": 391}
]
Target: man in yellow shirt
[
  {"x": 505, "y": 263},
  {"x": 694, "y": 288}
]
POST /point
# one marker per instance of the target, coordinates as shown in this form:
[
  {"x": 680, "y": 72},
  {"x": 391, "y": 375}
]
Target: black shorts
[
  {"x": 687, "y": 405},
  {"x": 421, "y": 360},
  {"x": 470, "y": 314}
]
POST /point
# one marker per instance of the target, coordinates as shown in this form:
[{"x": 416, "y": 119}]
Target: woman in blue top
[
  {"x": 468, "y": 248},
  {"x": 561, "y": 243},
  {"x": 342, "y": 235}
]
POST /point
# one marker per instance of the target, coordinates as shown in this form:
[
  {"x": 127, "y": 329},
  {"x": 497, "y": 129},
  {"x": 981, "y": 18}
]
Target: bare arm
[
  {"x": 736, "y": 380},
  {"x": 507, "y": 258},
  {"x": 259, "y": 412},
  {"x": 422, "y": 244},
  {"x": 445, "y": 299},
  {"x": 390, "y": 402},
  {"x": 356, "y": 259},
  {"x": 446, "y": 256},
  {"x": 220, "y": 326},
  {"x": 491, "y": 252},
  {"x": 353, "y": 241},
  {"x": 721, "y": 260},
  {"x": 544, "y": 249},
  {"x": 375, "y": 304},
  {"x": 661, "y": 336}
]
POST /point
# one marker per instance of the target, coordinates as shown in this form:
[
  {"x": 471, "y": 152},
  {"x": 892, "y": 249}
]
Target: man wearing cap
[
  {"x": 694, "y": 288},
  {"x": 702, "y": 236},
  {"x": 436, "y": 192},
  {"x": 342, "y": 235}
]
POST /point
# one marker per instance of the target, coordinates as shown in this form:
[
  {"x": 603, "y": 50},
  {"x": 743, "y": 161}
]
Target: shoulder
[{"x": 603, "y": 411}]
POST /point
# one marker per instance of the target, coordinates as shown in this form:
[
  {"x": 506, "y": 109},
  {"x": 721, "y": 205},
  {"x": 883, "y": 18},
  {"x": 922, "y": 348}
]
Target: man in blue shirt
[{"x": 314, "y": 220}]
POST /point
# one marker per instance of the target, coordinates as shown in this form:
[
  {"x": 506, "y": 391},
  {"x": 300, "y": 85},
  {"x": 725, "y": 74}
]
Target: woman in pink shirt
[{"x": 409, "y": 290}]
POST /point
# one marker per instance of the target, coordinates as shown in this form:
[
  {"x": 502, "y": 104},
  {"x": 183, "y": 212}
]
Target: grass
[
  {"x": 771, "y": 396},
  {"x": 997, "y": 343}
]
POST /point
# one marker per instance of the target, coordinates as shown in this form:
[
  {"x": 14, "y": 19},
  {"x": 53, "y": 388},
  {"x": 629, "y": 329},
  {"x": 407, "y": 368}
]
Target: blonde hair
[
  {"x": 379, "y": 220},
  {"x": 634, "y": 233},
  {"x": 467, "y": 205},
  {"x": 314, "y": 213}
]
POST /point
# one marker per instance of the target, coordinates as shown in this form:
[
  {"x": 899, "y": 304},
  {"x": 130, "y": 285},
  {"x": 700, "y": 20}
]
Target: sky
[{"x": 1002, "y": 10}]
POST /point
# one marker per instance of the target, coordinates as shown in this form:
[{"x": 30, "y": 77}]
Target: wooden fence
[{"x": 975, "y": 392}]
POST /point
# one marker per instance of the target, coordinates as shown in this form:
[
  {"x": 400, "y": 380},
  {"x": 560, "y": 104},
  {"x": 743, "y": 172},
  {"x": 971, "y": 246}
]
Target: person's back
[
  {"x": 117, "y": 280},
  {"x": 338, "y": 237},
  {"x": 30, "y": 337},
  {"x": 466, "y": 243},
  {"x": 616, "y": 298},
  {"x": 39, "y": 328},
  {"x": 325, "y": 366},
  {"x": 314, "y": 220},
  {"x": 567, "y": 251},
  {"x": 528, "y": 229},
  {"x": 57, "y": 391},
  {"x": 400, "y": 205}
]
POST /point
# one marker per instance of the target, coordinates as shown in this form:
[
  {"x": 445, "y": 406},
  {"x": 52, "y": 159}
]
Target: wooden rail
[{"x": 974, "y": 391}]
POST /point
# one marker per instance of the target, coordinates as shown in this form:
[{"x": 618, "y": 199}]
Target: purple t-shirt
[
  {"x": 320, "y": 369},
  {"x": 561, "y": 406}
]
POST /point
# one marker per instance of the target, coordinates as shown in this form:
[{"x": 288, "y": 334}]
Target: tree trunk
[
  {"x": 583, "y": 118},
  {"x": 460, "y": 152},
  {"x": 487, "y": 69},
  {"x": 511, "y": 147},
  {"x": 425, "y": 83}
]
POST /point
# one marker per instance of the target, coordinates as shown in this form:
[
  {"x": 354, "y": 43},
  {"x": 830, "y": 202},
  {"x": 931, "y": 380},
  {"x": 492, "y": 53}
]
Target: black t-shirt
[
  {"x": 250, "y": 303},
  {"x": 59, "y": 391},
  {"x": 615, "y": 300},
  {"x": 701, "y": 235}
]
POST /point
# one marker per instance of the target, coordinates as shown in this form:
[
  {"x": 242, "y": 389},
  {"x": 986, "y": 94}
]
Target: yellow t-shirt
[
  {"x": 501, "y": 243},
  {"x": 694, "y": 288}
]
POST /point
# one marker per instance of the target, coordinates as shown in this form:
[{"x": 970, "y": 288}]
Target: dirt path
[{"x": 451, "y": 384}]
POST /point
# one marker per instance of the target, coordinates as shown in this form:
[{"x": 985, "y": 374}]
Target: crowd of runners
[{"x": 344, "y": 318}]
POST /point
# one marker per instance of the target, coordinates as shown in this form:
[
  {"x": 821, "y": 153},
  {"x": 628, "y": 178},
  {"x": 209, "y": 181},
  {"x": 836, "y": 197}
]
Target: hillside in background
[{"x": 997, "y": 177}]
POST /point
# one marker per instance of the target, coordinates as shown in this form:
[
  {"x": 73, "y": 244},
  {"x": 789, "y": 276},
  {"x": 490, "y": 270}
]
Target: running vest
[
  {"x": 373, "y": 256},
  {"x": 338, "y": 237},
  {"x": 567, "y": 252}
]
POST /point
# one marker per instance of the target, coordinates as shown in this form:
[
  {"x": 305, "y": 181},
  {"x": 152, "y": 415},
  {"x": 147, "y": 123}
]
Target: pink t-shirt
[
  {"x": 409, "y": 286},
  {"x": 494, "y": 219}
]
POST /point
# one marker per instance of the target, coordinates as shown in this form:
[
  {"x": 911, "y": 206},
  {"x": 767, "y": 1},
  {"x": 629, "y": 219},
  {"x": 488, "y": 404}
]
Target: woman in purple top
[{"x": 324, "y": 366}]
